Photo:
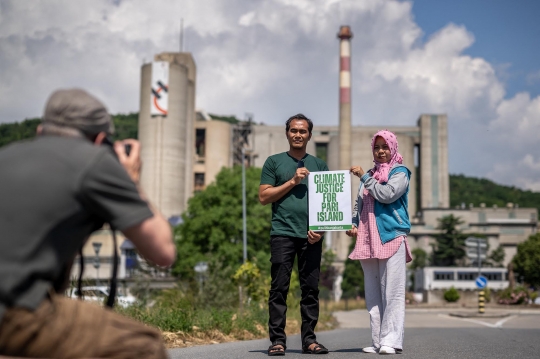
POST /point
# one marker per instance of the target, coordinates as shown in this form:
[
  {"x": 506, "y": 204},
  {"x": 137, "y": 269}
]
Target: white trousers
[{"x": 384, "y": 284}]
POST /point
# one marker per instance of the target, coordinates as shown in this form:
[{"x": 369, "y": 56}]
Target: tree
[
  {"x": 449, "y": 248},
  {"x": 496, "y": 257},
  {"x": 353, "y": 275},
  {"x": 11, "y": 132},
  {"x": 126, "y": 126},
  {"x": 212, "y": 227},
  {"x": 328, "y": 271},
  {"x": 420, "y": 259},
  {"x": 527, "y": 260}
]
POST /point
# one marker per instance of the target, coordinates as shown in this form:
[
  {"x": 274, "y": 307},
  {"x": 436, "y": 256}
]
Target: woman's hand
[
  {"x": 357, "y": 171},
  {"x": 352, "y": 232}
]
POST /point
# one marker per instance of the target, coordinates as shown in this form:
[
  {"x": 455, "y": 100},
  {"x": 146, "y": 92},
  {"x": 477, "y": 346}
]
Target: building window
[
  {"x": 200, "y": 142},
  {"x": 199, "y": 182},
  {"x": 321, "y": 151},
  {"x": 495, "y": 276},
  {"x": 443, "y": 275},
  {"x": 491, "y": 276},
  {"x": 466, "y": 276}
]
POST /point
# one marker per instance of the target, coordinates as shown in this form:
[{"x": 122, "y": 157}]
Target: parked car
[{"x": 99, "y": 295}]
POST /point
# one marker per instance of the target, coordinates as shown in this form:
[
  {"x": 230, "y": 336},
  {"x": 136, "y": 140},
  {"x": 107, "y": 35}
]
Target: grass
[{"x": 184, "y": 322}]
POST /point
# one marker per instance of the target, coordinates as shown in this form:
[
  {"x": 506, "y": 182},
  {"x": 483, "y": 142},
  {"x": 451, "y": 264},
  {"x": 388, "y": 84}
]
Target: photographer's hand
[
  {"x": 132, "y": 162},
  {"x": 153, "y": 237}
]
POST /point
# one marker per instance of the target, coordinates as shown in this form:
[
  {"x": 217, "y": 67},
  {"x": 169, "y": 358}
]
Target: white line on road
[{"x": 496, "y": 325}]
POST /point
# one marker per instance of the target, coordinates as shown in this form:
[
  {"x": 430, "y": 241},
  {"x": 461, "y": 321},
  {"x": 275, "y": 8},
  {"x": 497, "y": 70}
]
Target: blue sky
[
  {"x": 478, "y": 61},
  {"x": 507, "y": 34}
]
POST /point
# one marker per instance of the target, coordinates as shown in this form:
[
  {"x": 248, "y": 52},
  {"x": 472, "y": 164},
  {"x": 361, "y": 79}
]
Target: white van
[{"x": 99, "y": 295}]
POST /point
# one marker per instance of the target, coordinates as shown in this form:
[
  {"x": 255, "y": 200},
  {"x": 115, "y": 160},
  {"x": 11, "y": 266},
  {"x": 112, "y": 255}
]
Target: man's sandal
[
  {"x": 276, "y": 349},
  {"x": 317, "y": 349}
]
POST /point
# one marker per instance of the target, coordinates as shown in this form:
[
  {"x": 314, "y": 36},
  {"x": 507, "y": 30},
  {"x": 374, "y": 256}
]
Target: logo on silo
[{"x": 159, "y": 101}]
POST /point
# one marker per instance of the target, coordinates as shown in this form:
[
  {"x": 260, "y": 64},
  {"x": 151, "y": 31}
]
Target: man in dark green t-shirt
[{"x": 284, "y": 184}]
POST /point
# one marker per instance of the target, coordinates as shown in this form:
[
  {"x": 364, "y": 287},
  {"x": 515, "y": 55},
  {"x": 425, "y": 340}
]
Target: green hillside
[
  {"x": 473, "y": 190},
  {"x": 10, "y": 132},
  {"x": 463, "y": 189},
  {"x": 126, "y": 127}
]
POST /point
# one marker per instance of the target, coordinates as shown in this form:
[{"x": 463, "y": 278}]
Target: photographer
[{"x": 55, "y": 190}]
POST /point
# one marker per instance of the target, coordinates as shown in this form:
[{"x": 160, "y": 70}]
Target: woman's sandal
[
  {"x": 276, "y": 349},
  {"x": 317, "y": 349}
]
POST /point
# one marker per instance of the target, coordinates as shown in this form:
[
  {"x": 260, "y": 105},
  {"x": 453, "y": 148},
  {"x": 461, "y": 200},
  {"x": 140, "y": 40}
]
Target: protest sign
[{"x": 330, "y": 201}]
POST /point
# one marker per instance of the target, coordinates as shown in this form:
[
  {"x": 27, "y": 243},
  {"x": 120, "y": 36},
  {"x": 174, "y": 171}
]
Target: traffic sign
[
  {"x": 476, "y": 248},
  {"x": 481, "y": 282},
  {"x": 475, "y": 242},
  {"x": 472, "y": 253}
]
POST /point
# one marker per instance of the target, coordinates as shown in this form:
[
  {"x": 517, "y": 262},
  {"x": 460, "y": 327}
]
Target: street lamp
[
  {"x": 244, "y": 225},
  {"x": 244, "y": 203},
  {"x": 97, "y": 247}
]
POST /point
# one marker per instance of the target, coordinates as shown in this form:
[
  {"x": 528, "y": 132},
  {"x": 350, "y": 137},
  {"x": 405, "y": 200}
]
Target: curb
[{"x": 478, "y": 315}]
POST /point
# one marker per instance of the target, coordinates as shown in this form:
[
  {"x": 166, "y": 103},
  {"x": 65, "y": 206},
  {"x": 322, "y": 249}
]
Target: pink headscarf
[{"x": 381, "y": 170}]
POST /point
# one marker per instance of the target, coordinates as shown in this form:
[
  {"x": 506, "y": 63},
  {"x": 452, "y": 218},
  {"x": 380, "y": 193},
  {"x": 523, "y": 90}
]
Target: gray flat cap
[{"x": 76, "y": 108}]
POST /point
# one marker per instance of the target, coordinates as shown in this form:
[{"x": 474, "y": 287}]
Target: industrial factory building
[{"x": 184, "y": 149}]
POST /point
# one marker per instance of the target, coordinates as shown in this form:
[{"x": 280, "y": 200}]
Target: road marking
[{"x": 496, "y": 325}]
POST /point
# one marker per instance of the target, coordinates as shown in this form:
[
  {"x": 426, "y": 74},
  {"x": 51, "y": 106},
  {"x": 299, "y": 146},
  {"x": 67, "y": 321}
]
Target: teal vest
[{"x": 393, "y": 218}]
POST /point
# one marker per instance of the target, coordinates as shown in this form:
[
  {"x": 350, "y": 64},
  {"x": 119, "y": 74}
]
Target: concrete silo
[{"x": 167, "y": 137}]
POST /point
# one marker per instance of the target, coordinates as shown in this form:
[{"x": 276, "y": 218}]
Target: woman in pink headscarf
[{"x": 380, "y": 225}]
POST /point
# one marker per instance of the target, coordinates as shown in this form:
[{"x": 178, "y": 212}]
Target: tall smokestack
[{"x": 345, "y": 36}]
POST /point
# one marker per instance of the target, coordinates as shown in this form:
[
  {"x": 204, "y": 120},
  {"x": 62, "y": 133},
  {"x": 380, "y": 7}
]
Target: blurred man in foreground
[{"x": 55, "y": 191}]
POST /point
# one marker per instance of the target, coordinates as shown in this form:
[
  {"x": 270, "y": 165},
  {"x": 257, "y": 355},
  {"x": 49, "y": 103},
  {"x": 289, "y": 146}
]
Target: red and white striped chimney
[{"x": 345, "y": 125}]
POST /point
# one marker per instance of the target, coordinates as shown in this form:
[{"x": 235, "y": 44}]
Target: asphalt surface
[{"x": 429, "y": 334}]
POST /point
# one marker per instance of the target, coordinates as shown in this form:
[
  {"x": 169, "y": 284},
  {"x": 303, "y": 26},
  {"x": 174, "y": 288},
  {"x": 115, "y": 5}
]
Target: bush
[
  {"x": 533, "y": 296},
  {"x": 518, "y": 295},
  {"x": 487, "y": 294},
  {"x": 451, "y": 295}
]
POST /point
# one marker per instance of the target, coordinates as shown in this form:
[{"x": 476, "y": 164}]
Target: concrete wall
[
  {"x": 435, "y": 191},
  {"x": 217, "y": 149},
  {"x": 466, "y": 297}
]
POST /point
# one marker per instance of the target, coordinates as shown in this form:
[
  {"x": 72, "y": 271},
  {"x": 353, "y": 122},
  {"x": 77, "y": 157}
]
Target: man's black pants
[{"x": 284, "y": 250}]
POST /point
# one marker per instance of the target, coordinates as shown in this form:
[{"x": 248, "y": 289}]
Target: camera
[{"x": 109, "y": 143}]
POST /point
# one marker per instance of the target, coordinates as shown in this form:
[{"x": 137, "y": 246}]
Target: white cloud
[
  {"x": 272, "y": 58},
  {"x": 533, "y": 77},
  {"x": 525, "y": 173}
]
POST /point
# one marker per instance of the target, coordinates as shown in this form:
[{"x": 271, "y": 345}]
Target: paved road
[{"x": 429, "y": 334}]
